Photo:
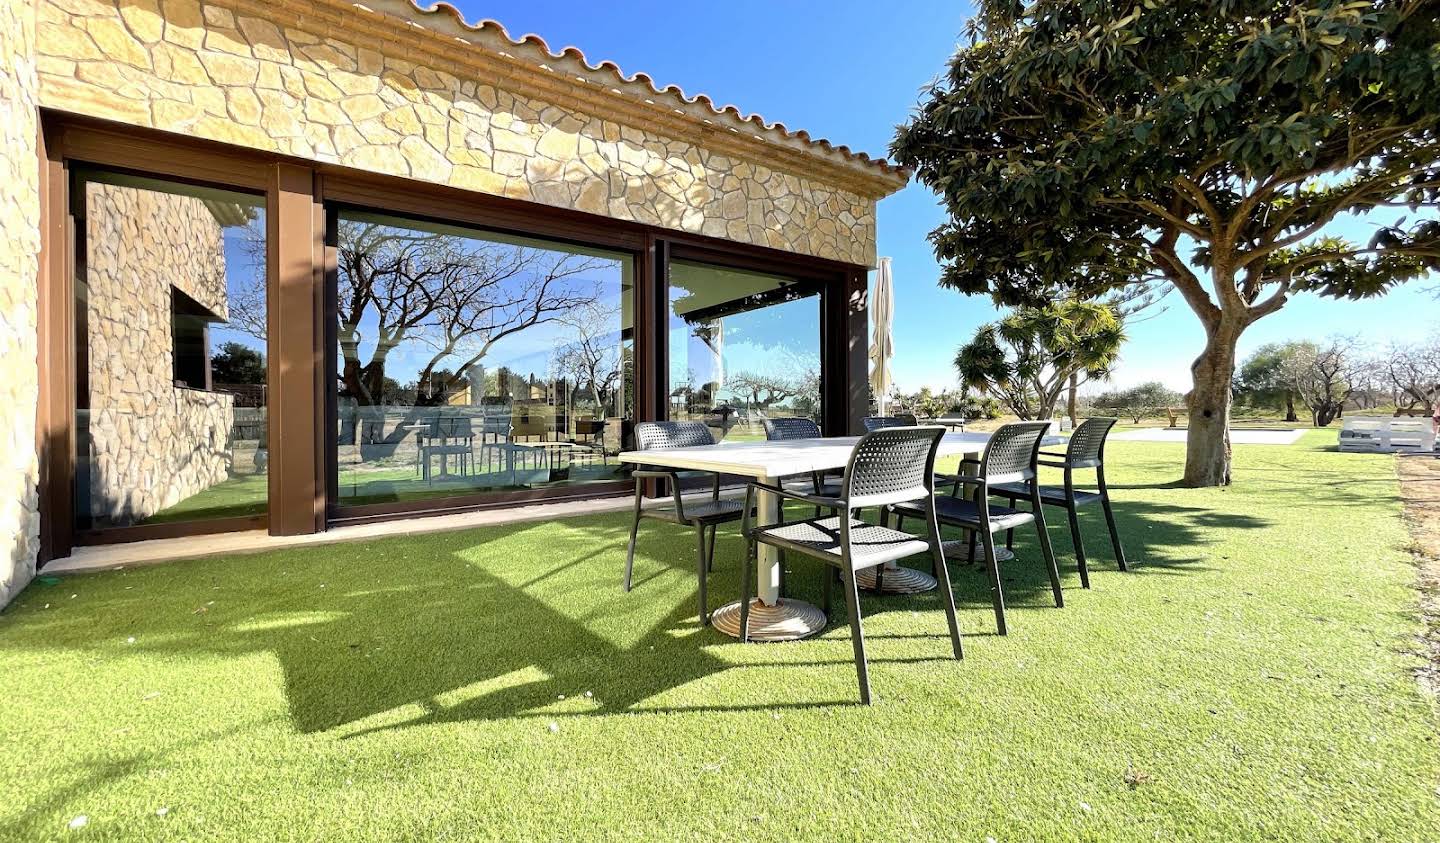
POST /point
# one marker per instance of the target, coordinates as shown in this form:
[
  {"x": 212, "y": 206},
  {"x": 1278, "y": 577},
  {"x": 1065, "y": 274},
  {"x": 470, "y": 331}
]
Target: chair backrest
[
  {"x": 1087, "y": 443},
  {"x": 1011, "y": 454},
  {"x": 664, "y": 435},
  {"x": 498, "y": 426},
  {"x": 791, "y": 428},
  {"x": 892, "y": 465},
  {"x": 450, "y": 427},
  {"x": 873, "y": 423}
]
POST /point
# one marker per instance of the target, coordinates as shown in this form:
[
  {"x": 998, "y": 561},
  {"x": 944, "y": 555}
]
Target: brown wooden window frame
[{"x": 300, "y": 273}]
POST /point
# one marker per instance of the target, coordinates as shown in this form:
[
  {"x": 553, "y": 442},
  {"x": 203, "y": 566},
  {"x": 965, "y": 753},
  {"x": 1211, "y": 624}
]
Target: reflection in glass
[
  {"x": 743, "y": 346},
  {"x": 170, "y": 352},
  {"x": 469, "y": 361}
]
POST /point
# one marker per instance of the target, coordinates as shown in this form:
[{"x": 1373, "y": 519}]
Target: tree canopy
[
  {"x": 1138, "y": 402},
  {"x": 1085, "y": 145},
  {"x": 1026, "y": 359}
]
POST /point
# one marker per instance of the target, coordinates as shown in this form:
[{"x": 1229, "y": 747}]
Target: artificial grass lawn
[{"x": 1250, "y": 679}]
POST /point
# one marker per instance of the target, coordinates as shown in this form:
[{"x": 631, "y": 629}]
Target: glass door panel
[{"x": 470, "y": 362}]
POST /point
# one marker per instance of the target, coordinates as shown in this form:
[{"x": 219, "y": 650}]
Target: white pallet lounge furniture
[{"x": 1386, "y": 434}]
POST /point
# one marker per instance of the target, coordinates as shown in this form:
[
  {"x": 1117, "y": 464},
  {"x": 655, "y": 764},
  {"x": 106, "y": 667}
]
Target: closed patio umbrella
[
  {"x": 895, "y": 580},
  {"x": 882, "y": 342}
]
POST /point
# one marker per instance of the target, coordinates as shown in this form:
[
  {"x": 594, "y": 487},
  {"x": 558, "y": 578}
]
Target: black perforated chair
[
  {"x": 702, "y": 515},
  {"x": 1011, "y": 456},
  {"x": 891, "y": 466},
  {"x": 873, "y": 423},
  {"x": 818, "y": 483},
  {"x": 1086, "y": 450}
]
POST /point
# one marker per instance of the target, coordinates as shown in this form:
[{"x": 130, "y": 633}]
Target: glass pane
[
  {"x": 170, "y": 352},
  {"x": 743, "y": 346},
  {"x": 469, "y": 361}
]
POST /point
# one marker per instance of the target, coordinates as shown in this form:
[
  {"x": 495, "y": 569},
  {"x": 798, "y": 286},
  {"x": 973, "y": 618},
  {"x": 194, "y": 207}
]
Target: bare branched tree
[
  {"x": 1323, "y": 376},
  {"x": 1413, "y": 370},
  {"x": 594, "y": 360},
  {"x": 455, "y": 297}
]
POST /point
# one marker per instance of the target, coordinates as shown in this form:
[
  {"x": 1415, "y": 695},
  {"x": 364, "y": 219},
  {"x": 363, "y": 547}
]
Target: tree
[
  {"x": 762, "y": 390},
  {"x": 1322, "y": 376},
  {"x": 1262, "y": 383},
  {"x": 453, "y": 298},
  {"x": 1413, "y": 371},
  {"x": 1082, "y": 146},
  {"x": 236, "y": 363},
  {"x": 595, "y": 360},
  {"x": 1026, "y": 359},
  {"x": 1138, "y": 402}
]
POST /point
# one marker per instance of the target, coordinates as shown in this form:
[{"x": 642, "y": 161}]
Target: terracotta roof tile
[{"x": 610, "y": 75}]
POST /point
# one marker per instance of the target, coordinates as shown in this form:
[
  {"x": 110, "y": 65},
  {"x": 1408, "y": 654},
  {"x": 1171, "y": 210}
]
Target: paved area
[{"x": 1237, "y": 437}]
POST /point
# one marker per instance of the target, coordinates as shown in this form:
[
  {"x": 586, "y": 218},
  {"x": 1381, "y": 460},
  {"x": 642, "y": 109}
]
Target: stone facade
[
  {"x": 337, "y": 83},
  {"x": 152, "y": 444},
  {"x": 19, "y": 249}
]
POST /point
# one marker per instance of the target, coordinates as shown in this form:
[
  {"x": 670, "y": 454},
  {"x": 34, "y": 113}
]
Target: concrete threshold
[{"x": 109, "y": 557}]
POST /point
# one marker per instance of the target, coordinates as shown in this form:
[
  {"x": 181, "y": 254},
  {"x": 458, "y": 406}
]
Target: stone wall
[
  {"x": 152, "y": 444},
  {"x": 19, "y": 249},
  {"x": 329, "y": 82}
]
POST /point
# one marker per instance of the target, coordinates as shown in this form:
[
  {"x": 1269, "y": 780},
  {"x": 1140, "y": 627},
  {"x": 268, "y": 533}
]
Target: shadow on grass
[{"x": 500, "y": 622}]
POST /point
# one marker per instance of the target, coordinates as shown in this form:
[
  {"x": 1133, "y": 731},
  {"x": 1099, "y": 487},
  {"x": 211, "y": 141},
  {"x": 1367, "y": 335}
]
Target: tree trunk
[
  {"x": 1207, "y": 452},
  {"x": 1290, "y": 408},
  {"x": 1072, "y": 399}
]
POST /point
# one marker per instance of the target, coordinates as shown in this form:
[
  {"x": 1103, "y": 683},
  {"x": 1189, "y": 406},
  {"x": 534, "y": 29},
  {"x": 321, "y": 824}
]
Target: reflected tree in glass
[{"x": 453, "y": 296}]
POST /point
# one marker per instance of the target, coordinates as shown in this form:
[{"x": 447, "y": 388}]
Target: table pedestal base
[
  {"x": 787, "y": 620},
  {"x": 897, "y": 580},
  {"x": 959, "y": 551}
]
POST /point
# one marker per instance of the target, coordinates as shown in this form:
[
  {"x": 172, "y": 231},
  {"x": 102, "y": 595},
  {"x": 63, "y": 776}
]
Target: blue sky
[{"x": 850, "y": 71}]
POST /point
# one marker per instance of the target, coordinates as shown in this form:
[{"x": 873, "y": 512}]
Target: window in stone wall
[
  {"x": 170, "y": 352},
  {"x": 190, "y": 338},
  {"x": 472, "y": 362},
  {"x": 743, "y": 346}
]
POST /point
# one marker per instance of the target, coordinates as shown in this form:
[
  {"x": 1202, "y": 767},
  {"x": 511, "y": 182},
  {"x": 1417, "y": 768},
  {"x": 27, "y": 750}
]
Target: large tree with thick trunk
[{"x": 1081, "y": 146}]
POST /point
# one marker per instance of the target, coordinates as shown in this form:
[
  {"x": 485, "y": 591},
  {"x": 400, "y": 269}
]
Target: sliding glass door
[
  {"x": 742, "y": 346},
  {"x": 170, "y": 352},
  {"x": 469, "y": 362}
]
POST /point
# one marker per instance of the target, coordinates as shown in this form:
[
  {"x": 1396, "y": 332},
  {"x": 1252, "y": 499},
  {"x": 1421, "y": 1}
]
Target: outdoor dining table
[{"x": 771, "y": 618}]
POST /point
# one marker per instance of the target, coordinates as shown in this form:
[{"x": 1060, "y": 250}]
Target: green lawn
[
  {"x": 242, "y": 494},
  {"x": 1251, "y": 679}
]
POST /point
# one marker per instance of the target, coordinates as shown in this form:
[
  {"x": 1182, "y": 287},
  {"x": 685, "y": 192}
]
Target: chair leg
[
  {"x": 1110, "y": 522},
  {"x": 701, "y": 572},
  {"x": 974, "y": 545},
  {"x": 1073, "y": 515},
  {"x": 997, "y": 595},
  {"x": 937, "y": 560},
  {"x": 747, "y": 574},
  {"x": 780, "y": 557},
  {"x": 710, "y": 553},
  {"x": 857, "y": 636},
  {"x": 634, "y": 528},
  {"x": 1049, "y": 553}
]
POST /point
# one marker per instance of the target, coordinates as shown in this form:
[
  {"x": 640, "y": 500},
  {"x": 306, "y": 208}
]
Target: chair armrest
[
  {"x": 813, "y": 500},
  {"x": 1053, "y": 464},
  {"x": 1054, "y": 456},
  {"x": 665, "y": 474},
  {"x": 958, "y": 479}
]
